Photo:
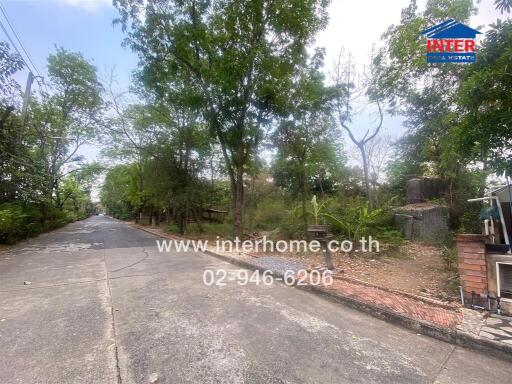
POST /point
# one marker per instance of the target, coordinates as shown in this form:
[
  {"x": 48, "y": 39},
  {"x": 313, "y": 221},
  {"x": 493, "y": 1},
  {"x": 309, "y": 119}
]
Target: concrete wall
[
  {"x": 423, "y": 222},
  {"x": 422, "y": 189}
]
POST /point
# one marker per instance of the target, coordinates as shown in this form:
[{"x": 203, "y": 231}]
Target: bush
[
  {"x": 212, "y": 230},
  {"x": 450, "y": 258},
  {"x": 356, "y": 220},
  {"x": 270, "y": 214},
  {"x": 56, "y": 218},
  {"x": 173, "y": 228},
  {"x": 292, "y": 225},
  {"x": 18, "y": 221},
  {"x": 123, "y": 215}
]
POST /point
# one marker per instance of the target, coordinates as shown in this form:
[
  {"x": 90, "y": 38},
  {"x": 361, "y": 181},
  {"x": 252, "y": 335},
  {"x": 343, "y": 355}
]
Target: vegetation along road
[{"x": 96, "y": 302}]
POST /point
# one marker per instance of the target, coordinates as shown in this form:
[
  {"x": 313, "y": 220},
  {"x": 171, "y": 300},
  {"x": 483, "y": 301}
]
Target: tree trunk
[
  {"x": 366, "y": 176},
  {"x": 197, "y": 218},
  {"x": 238, "y": 202},
  {"x": 252, "y": 205},
  {"x": 235, "y": 168},
  {"x": 303, "y": 195}
]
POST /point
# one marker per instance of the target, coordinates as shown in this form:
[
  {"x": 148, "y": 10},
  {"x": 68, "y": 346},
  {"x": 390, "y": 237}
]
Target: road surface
[{"x": 102, "y": 305}]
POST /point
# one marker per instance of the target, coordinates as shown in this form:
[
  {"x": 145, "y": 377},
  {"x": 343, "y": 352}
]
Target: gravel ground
[{"x": 280, "y": 264}]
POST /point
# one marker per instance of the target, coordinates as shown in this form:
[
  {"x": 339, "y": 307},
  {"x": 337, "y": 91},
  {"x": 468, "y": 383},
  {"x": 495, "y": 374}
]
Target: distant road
[{"x": 101, "y": 305}]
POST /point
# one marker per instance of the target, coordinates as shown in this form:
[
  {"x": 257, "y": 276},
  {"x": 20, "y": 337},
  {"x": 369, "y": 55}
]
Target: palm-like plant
[
  {"x": 316, "y": 210},
  {"x": 357, "y": 222}
]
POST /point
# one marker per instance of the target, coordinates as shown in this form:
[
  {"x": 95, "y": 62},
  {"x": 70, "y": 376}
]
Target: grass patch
[{"x": 208, "y": 230}]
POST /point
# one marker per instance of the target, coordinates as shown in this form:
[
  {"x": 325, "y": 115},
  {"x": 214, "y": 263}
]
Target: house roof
[{"x": 450, "y": 29}]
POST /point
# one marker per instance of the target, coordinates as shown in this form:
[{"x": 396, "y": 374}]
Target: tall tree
[
  {"x": 13, "y": 172},
  {"x": 236, "y": 56},
  {"x": 10, "y": 63},
  {"x": 425, "y": 94},
  {"x": 65, "y": 120},
  {"x": 484, "y": 130},
  {"x": 350, "y": 94},
  {"x": 305, "y": 133},
  {"x": 167, "y": 142}
]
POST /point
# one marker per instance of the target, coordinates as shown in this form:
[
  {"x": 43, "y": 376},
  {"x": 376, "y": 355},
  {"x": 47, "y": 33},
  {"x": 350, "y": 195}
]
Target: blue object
[
  {"x": 490, "y": 213},
  {"x": 450, "y": 29}
]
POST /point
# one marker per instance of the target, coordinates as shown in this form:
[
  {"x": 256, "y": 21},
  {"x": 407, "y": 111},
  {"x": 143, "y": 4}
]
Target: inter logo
[{"x": 450, "y": 42}]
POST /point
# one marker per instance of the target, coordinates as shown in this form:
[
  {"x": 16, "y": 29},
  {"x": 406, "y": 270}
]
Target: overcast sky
[{"x": 86, "y": 26}]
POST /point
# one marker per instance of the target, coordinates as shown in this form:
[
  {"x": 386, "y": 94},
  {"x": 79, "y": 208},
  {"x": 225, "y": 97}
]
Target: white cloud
[{"x": 90, "y": 6}]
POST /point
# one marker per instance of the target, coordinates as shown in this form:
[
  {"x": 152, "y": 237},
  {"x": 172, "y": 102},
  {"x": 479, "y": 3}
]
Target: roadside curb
[
  {"x": 453, "y": 336},
  {"x": 441, "y": 304}
]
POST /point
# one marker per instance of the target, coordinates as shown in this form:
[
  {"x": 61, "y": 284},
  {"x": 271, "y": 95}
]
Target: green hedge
[{"x": 19, "y": 221}]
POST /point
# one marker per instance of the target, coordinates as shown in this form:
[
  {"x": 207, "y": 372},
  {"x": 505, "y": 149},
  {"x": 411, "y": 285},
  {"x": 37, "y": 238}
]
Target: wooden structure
[
  {"x": 215, "y": 215},
  {"x": 322, "y": 234}
]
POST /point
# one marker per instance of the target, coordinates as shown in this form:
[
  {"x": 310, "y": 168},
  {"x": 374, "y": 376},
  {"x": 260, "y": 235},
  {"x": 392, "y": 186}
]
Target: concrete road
[{"x": 102, "y": 305}]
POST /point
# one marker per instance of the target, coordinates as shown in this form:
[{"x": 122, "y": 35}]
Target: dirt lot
[{"x": 415, "y": 268}]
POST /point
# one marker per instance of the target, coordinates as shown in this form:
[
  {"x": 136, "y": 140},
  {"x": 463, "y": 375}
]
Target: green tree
[
  {"x": 169, "y": 147},
  {"x": 10, "y": 63},
  {"x": 305, "y": 134},
  {"x": 425, "y": 94},
  {"x": 484, "y": 132},
  {"x": 62, "y": 122},
  {"x": 42, "y": 178},
  {"x": 13, "y": 166},
  {"x": 236, "y": 57},
  {"x": 503, "y": 5},
  {"x": 116, "y": 192}
]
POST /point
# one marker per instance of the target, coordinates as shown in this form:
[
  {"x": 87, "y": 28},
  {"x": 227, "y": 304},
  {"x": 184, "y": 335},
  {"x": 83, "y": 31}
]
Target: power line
[
  {"x": 22, "y": 47},
  {"x": 12, "y": 43},
  {"x": 16, "y": 48},
  {"x": 18, "y": 39}
]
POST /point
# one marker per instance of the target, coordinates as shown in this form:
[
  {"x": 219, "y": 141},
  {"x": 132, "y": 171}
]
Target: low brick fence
[{"x": 472, "y": 264}]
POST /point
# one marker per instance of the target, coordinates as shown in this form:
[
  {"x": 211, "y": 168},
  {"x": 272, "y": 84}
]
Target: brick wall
[{"x": 472, "y": 264}]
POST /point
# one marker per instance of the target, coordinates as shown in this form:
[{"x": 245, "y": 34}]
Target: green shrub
[
  {"x": 71, "y": 217},
  {"x": 173, "y": 228},
  {"x": 292, "y": 226},
  {"x": 450, "y": 258},
  {"x": 389, "y": 236},
  {"x": 56, "y": 218},
  {"x": 270, "y": 214},
  {"x": 210, "y": 229},
  {"x": 354, "y": 220},
  {"x": 18, "y": 221}
]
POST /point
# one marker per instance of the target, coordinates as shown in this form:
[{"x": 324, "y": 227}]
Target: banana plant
[
  {"x": 316, "y": 210},
  {"x": 358, "y": 222}
]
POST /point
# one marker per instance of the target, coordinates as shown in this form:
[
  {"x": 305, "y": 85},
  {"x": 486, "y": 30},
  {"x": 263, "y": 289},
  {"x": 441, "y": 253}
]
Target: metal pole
[
  {"x": 510, "y": 207},
  {"x": 26, "y": 98}
]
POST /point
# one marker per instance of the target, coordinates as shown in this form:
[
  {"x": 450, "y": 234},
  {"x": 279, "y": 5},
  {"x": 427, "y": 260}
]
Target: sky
[{"x": 86, "y": 26}]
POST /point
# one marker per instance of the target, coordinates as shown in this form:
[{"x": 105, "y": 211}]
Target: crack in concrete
[
  {"x": 443, "y": 364},
  {"x": 137, "y": 262},
  {"x": 82, "y": 282},
  {"x": 112, "y": 313}
]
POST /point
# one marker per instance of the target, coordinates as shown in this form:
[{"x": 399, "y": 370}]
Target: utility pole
[{"x": 26, "y": 97}]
